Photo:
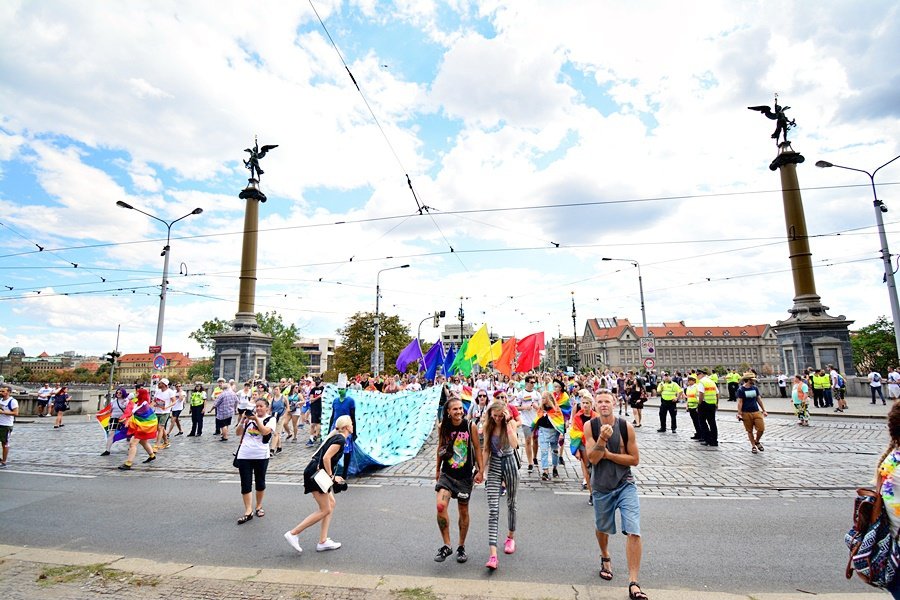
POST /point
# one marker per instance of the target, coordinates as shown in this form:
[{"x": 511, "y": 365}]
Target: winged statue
[
  {"x": 783, "y": 124},
  {"x": 256, "y": 154}
]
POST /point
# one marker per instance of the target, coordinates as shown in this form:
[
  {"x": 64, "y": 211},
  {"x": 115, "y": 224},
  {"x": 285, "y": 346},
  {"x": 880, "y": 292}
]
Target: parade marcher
[
  {"x": 295, "y": 403},
  {"x": 458, "y": 453},
  {"x": 576, "y": 436},
  {"x": 612, "y": 449},
  {"x": 344, "y": 404},
  {"x": 325, "y": 458},
  {"x": 163, "y": 401},
  {"x": 838, "y": 389},
  {"x": 634, "y": 390},
  {"x": 315, "y": 412},
  {"x": 177, "y": 406},
  {"x": 141, "y": 426},
  {"x": 198, "y": 406},
  {"x": 800, "y": 399},
  {"x": 220, "y": 387},
  {"x": 60, "y": 405},
  {"x": 279, "y": 406},
  {"x": 9, "y": 410},
  {"x": 782, "y": 385},
  {"x": 224, "y": 407},
  {"x": 43, "y": 400},
  {"x": 477, "y": 410},
  {"x": 732, "y": 380},
  {"x": 751, "y": 411},
  {"x": 252, "y": 456},
  {"x": 707, "y": 413},
  {"x": 118, "y": 403},
  {"x": 669, "y": 391},
  {"x": 887, "y": 482},
  {"x": 893, "y": 378},
  {"x": 500, "y": 443},
  {"x": 526, "y": 401},
  {"x": 550, "y": 424},
  {"x": 875, "y": 386}
]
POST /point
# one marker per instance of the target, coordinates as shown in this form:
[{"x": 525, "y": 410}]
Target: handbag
[
  {"x": 874, "y": 552},
  {"x": 322, "y": 480},
  {"x": 235, "y": 461}
]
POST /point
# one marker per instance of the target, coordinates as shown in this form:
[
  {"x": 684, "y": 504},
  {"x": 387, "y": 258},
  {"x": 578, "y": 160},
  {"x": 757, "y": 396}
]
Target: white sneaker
[
  {"x": 328, "y": 544},
  {"x": 293, "y": 540}
]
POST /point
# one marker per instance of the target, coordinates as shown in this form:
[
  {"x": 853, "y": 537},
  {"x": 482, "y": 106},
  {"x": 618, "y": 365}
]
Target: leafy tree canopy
[
  {"x": 358, "y": 342},
  {"x": 874, "y": 347}
]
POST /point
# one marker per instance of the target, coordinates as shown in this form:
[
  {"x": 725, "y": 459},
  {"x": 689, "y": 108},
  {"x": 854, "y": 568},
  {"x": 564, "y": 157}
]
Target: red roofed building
[
  {"x": 615, "y": 343},
  {"x": 134, "y": 367}
]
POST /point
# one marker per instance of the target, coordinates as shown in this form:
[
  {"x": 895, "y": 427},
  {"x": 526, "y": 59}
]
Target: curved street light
[
  {"x": 377, "y": 361},
  {"x": 885, "y": 252},
  {"x": 165, "y": 253},
  {"x": 640, "y": 287}
]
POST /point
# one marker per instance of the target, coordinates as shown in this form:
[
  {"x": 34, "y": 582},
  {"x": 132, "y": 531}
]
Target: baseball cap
[{"x": 164, "y": 381}]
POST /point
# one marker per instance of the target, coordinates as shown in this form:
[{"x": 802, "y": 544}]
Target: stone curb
[{"x": 449, "y": 588}]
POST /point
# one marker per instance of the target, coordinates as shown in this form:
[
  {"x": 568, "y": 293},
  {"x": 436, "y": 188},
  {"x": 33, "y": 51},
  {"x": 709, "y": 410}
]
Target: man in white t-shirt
[
  {"x": 483, "y": 383},
  {"x": 162, "y": 406},
  {"x": 527, "y": 401},
  {"x": 43, "y": 399},
  {"x": 875, "y": 386},
  {"x": 177, "y": 407},
  {"x": 414, "y": 385},
  {"x": 9, "y": 410},
  {"x": 893, "y": 378}
]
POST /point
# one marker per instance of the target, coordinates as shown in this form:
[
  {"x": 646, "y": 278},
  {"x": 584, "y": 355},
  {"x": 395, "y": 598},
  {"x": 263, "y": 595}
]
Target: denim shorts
[{"x": 624, "y": 498}]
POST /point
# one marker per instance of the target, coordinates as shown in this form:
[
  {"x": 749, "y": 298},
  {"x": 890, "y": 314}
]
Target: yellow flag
[
  {"x": 493, "y": 354},
  {"x": 479, "y": 344}
]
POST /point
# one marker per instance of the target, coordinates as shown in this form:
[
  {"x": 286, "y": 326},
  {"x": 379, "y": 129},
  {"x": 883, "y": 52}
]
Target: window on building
[{"x": 707, "y": 332}]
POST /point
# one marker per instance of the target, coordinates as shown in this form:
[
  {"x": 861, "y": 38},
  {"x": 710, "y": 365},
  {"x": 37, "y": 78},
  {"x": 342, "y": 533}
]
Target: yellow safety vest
[
  {"x": 732, "y": 377},
  {"x": 714, "y": 377},
  {"x": 821, "y": 382},
  {"x": 693, "y": 396},
  {"x": 668, "y": 391},
  {"x": 710, "y": 391}
]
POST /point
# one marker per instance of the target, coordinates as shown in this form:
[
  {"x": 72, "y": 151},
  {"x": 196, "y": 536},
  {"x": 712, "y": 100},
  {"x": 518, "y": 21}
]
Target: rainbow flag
[
  {"x": 556, "y": 419},
  {"x": 103, "y": 417},
  {"x": 562, "y": 399},
  {"x": 142, "y": 423},
  {"x": 466, "y": 397},
  {"x": 576, "y": 432}
]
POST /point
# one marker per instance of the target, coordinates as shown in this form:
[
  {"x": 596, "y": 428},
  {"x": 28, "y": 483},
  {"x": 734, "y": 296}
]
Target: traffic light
[
  {"x": 438, "y": 316},
  {"x": 112, "y": 357}
]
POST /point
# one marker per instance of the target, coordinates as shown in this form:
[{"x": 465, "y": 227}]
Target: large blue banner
[{"x": 390, "y": 428}]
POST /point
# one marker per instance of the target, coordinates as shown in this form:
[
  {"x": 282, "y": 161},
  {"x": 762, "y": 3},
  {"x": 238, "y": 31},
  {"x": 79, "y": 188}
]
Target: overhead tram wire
[
  {"x": 449, "y": 213},
  {"x": 42, "y": 249}
]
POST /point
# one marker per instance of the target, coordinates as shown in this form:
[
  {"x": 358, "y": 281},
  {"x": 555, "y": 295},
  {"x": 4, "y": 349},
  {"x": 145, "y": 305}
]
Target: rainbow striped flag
[
  {"x": 103, "y": 416},
  {"x": 555, "y": 417},
  {"x": 142, "y": 423},
  {"x": 562, "y": 399},
  {"x": 466, "y": 397},
  {"x": 576, "y": 432}
]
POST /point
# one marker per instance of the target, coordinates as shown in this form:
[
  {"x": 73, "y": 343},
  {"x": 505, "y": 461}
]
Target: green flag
[{"x": 455, "y": 367}]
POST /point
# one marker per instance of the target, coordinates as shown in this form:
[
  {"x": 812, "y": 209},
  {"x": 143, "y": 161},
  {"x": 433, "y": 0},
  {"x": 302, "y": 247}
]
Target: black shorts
[
  {"x": 460, "y": 490},
  {"x": 220, "y": 423},
  {"x": 315, "y": 412},
  {"x": 113, "y": 424},
  {"x": 44, "y": 402},
  {"x": 5, "y": 432},
  {"x": 176, "y": 413}
]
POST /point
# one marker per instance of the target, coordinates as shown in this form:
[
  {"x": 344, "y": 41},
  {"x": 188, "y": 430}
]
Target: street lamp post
[
  {"x": 576, "y": 359},
  {"x": 885, "y": 252},
  {"x": 165, "y": 253},
  {"x": 377, "y": 360},
  {"x": 640, "y": 288}
]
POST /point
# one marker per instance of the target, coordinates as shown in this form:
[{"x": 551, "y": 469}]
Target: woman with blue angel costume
[{"x": 344, "y": 405}]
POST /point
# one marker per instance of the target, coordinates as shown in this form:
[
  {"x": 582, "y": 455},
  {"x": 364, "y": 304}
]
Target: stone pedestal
[{"x": 242, "y": 354}]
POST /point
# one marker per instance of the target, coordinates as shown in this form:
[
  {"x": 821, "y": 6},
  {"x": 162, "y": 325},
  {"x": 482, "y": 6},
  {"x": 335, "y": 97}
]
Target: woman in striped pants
[{"x": 500, "y": 442}]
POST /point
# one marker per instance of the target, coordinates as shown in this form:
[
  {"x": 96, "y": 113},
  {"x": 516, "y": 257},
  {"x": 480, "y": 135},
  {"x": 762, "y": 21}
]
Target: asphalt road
[{"x": 736, "y": 545}]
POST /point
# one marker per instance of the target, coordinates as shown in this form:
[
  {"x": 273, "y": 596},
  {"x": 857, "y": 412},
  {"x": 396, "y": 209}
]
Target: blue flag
[
  {"x": 433, "y": 358},
  {"x": 448, "y": 360},
  {"x": 411, "y": 353}
]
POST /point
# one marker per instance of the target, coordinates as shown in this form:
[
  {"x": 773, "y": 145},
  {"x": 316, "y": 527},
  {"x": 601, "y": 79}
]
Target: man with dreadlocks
[{"x": 459, "y": 449}]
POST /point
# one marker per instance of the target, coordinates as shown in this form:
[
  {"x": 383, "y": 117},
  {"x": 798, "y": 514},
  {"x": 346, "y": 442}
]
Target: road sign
[
  {"x": 649, "y": 363},
  {"x": 159, "y": 362},
  {"x": 648, "y": 347},
  {"x": 155, "y": 349}
]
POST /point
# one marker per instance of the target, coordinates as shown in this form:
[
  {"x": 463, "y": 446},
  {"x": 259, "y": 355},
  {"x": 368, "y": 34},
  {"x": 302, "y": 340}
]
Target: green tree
[
  {"x": 358, "y": 342},
  {"x": 204, "y": 334},
  {"x": 874, "y": 347},
  {"x": 201, "y": 370}
]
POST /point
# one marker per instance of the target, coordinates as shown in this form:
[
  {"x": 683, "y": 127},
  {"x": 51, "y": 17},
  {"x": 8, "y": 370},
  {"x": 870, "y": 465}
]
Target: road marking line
[
  {"x": 671, "y": 497},
  {"x": 51, "y": 474},
  {"x": 355, "y": 485}
]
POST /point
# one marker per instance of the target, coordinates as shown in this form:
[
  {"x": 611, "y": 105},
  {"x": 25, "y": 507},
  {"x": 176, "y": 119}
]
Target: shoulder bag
[
  {"x": 321, "y": 478},
  {"x": 874, "y": 553},
  {"x": 235, "y": 461}
]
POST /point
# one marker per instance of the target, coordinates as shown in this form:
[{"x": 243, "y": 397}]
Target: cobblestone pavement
[{"x": 827, "y": 459}]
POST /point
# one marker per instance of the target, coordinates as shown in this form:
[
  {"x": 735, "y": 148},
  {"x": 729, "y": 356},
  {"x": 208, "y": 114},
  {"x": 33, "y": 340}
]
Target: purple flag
[
  {"x": 448, "y": 360},
  {"x": 409, "y": 354},
  {"x": 433, "y": 358}
]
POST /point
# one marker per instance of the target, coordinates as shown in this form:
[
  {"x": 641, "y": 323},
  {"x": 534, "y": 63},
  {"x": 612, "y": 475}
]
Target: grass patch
[
  {"x": 416, "y": 594},
  {"x": 71, "y": 573}
]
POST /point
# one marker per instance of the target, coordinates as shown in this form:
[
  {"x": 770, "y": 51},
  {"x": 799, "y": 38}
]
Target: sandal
[
  {"x": 605, "y": 572},
  {"x": 244, "y": 519},
  {"x": 260, "y": 513},
  {"x": 639, "y": 594}
]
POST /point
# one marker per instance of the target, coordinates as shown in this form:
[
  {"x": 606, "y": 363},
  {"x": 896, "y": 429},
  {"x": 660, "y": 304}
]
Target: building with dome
[{"x": 38, "y": 365}]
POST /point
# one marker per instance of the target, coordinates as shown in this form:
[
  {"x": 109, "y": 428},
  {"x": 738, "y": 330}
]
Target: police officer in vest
[
  {"x": 707, "y": 413},
  {"x": 732, "y": 379},
  {"x": 694, "y": 392},
  {"x": 668, "y": 395}
]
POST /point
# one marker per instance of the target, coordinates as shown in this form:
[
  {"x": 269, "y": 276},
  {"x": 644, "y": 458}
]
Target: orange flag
[{"x": 507, "y": 354}]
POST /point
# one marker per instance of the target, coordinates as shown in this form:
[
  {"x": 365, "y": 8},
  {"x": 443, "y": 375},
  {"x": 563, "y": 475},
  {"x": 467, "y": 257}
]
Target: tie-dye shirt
[
  {"x": 889, "y": 496},
  {"x": 458, "y": 461}
]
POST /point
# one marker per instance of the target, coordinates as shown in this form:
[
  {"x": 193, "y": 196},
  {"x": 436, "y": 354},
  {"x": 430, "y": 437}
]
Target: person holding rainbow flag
[
  {"x": 550, "y": 424},
  {"x": 140, "y": 419}
]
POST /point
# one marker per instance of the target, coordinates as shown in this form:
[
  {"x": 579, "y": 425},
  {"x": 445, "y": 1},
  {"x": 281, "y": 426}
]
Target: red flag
[
  {"x": 529, "y": 348},
  {"x": 507, "y": 355}
]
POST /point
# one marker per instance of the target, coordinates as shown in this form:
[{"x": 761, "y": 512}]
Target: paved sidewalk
[{"x": 38, "y": 574}]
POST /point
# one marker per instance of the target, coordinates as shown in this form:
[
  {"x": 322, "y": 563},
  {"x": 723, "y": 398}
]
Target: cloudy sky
[{"x": 610, "y": 129}]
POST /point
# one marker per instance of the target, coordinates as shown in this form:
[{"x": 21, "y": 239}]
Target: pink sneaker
[
  {"x": 492, "y": 563},
  {"x": 510, "y": 546}
]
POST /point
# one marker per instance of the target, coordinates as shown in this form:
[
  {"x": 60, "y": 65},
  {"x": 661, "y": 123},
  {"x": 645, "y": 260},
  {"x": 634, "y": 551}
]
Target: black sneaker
[
  {"x": 442, "y": 554},
  {"x": 562, "y": 460},
  {"x": 591, "y": 500},
  {"x": 555, "y": 473},
  {"x": 461, "y": 555},
  {"x": 150, "y": 458},
  {"x": 661, "y": 430},
  {"x": 104, "y": 453},
  {"x": 125, "y": 467},
  {"x": 530, "y": 468}
]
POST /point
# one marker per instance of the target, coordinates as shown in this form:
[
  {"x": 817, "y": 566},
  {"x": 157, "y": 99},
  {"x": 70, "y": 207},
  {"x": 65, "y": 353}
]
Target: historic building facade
[
  {"x": 139, "y": 367},
  {"x": 615, "y": 343}
]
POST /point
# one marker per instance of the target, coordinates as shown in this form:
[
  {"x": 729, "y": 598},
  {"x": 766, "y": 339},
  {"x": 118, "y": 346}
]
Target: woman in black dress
[{"x": 326, "y": 457}]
